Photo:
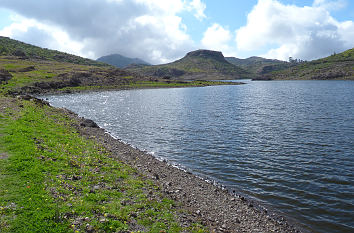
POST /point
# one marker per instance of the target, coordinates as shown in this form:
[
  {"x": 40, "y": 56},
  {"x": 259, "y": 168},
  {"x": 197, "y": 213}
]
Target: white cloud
[
  {"x": 306, "y": 32},
  {"x": 329, "y": 4},
  {"x": 148, "y": 29},
  {"x": 43, "y": 35},
  {"x": 218, "y": 38},
  {"x": 198, "y": 7}
]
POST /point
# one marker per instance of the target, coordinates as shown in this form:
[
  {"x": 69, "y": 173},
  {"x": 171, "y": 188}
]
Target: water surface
[{"x": 286, "y": 143}]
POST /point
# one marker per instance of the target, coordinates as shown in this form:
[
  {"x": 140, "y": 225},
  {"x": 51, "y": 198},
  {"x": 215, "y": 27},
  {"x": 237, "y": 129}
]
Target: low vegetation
[
  {"x": 337, "y": 66},
  {"x": 199, "y": 64},
  {"x": 42, "y": 76},
  {"x": 10, "y": 47},
  {"x": 54, "y": 180},
  {"x": 259, "y": 66}
]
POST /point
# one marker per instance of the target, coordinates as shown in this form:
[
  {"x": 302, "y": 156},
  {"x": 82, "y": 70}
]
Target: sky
[{"x": 161, "y": 31}]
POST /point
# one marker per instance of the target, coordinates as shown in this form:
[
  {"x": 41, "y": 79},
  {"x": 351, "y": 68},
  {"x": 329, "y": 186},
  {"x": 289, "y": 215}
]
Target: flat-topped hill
[{"x": 199, "y": 64}]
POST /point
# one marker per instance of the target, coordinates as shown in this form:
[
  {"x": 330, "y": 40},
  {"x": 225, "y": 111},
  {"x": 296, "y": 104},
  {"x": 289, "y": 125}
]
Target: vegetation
[
  {"x": 258, "y": 66},
  {"x": 10, "y": 47},
  {"x": 120, "y": 61},
  {"x": 336, "y": 66},
  {"x": 200, "y": 64},
  {"x": 54, "y": 180}
]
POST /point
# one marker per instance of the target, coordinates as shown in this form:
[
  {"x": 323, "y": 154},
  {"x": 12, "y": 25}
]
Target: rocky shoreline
[{"x": 199, "y": 200}]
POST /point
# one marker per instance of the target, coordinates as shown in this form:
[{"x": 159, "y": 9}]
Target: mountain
[
  {"x": 120, "y": 61},
  {"x": 10, "y": 47},
  {"x": 28, "y": 69},
  {"x": 258, "y": 66},
  {"x": 336, "y": 66},
  {"x": 196, "y": 65}
]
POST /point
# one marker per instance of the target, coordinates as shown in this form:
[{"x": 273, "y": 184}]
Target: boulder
[
  {"x": 27, "y": 69},
  {"x": 4, "y": 75},
  {"x": 89, "y": 123}
]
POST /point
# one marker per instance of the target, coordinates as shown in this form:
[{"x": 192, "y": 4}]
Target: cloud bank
[
  {"x": 148, "y": 29},
  {"x": 307, "y": 33}
]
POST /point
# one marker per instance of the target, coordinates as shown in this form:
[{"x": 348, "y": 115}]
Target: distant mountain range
[
  {"x": 121, "y": 61},
  {"x": 199, "y": 64}
]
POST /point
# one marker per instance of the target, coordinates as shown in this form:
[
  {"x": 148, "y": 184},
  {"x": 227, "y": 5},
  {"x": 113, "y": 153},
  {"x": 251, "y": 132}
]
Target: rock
[
  {"x": 89, "y": 123},
  {"x": 207, "y": 54},
  {"x": 27, "y": 69},
  {"x": 75, "y": 177},
  {"x": 19, "y": 53},
  {"x": 5, "y": 75},
  {"x": 156, "y": 176},
  {"x": 89, "y": 228},
  {"x": 24, "y": 97}
]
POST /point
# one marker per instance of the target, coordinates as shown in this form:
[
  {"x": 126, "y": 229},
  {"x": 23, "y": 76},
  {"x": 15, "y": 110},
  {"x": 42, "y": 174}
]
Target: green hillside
[
  {"x": 337, "y": 66},
  {"x": 199, "y": 64},
  {"x": 257, "y": 65},
  {"x": 10, "y": 47},
  {"x": 28, "y": 69}
]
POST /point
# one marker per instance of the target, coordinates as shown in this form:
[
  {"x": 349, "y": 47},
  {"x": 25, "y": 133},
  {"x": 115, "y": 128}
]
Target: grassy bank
[{"x": 54, "y": 180}]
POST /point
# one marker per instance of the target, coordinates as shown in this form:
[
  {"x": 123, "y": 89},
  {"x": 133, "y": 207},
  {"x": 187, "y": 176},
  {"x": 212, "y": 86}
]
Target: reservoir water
[{"x": 288, "y": 144}]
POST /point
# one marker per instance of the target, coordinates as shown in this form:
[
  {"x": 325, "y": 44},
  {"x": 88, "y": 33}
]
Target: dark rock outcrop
[
  {"x": 27, "y": 69},
  {"x": 207, "y": 54},
  {"x": 4, "y": 75},
  {"x": 168, "y": 72},
  {"x": 19, "y": 53},
  {"x": 89, "y": 123}
]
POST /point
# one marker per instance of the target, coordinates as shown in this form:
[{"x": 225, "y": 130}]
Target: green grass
[
  {"x": 54, "y": 180},
  {"x": 336, "y": 66},
  {"x": 9, "y": 47}
]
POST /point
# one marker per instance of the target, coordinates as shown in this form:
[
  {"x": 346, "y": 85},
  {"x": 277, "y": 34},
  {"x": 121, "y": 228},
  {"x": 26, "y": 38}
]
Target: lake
[{"x": 287, "y": 144}]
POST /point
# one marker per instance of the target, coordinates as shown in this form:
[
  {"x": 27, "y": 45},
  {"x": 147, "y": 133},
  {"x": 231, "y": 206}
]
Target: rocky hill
[
  {"x": 336, "y": 66},
  {"x": 258, "y": 66},
  {"x": 121, "y": 61},
  {"x": 10, "y": 47},
  {"x": 28, "y": 69},
  {"x": 196, "y": 65}
]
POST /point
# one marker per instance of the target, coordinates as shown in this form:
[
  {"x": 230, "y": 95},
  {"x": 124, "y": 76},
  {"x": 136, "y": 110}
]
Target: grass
[
  {"x": 54, "y": 180},
  {"x": 10, "y": 47},
  {"x": 50, "y": 71},
  {"x": 336, "y": 66}
]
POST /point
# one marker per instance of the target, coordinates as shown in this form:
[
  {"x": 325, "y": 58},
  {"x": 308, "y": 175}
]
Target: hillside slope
[
  {"x": 28, "y": 69},
  {"x": 257, "y": 65},
  {"x": 337, "y": 66},
  {"x": 10, "y": 47},
  {"x": 120, "y": 61},
  {"x": 199, "y": 64}
]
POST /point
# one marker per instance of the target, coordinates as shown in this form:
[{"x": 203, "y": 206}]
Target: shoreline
[{"x": 209, "y": 202}]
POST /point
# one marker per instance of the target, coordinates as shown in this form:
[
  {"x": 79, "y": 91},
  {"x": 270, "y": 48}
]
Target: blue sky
[{"x": 160, "y": 31}]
